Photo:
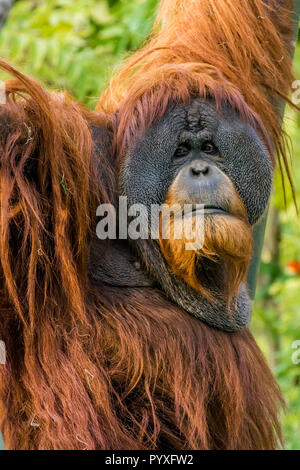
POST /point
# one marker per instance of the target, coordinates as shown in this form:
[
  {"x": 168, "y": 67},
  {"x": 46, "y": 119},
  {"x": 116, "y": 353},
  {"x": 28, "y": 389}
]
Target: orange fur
[
  {"x": 227, "y": 240},
  {"x": 94, "y": 367},
  {"x": 104, "y": 368}
]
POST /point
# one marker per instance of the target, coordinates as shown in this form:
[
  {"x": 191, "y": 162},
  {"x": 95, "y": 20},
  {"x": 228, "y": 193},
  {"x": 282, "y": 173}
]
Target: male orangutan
[{"x": 142, "y": 344}]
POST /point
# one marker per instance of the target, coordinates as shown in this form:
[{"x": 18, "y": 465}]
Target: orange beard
[{"x": 227, "y": 243}]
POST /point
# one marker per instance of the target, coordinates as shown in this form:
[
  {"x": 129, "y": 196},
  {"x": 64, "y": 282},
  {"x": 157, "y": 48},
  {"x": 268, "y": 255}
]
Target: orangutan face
[{"x": 198, "y": 156}]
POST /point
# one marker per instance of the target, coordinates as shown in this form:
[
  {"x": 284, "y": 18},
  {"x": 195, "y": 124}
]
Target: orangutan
[{"x": 141, "y": 343}]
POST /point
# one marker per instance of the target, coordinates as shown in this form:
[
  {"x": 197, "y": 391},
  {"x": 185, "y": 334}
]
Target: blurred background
[{"x": 74, "y": 45}]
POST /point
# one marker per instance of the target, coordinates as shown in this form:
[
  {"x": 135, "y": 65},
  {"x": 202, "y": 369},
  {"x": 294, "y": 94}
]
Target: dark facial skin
[
  {"x": 210, "y": 156},
  {"x": 193, "y": 136}
]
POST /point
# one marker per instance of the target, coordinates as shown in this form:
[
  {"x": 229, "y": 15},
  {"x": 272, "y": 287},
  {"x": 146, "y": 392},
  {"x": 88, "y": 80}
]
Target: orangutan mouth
[{"x": 209, "y": 210}]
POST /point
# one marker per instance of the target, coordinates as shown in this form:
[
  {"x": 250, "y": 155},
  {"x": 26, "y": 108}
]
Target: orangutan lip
[{"x": 212, "y": 210}]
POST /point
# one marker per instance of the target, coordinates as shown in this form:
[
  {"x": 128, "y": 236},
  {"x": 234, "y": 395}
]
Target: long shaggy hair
[{"x": 96, "y": 367}]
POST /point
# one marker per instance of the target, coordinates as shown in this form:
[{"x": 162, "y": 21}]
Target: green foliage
[
  {"x": 276, "y": 316},
  {"x": 75, "y": 45}
]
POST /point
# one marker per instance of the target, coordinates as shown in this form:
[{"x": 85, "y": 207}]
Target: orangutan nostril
[{"x": 200, "y": 169}]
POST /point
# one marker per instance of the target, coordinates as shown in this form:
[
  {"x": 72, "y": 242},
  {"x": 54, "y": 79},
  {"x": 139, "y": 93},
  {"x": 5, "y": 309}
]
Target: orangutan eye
[
  {"x": 182, "y": 151},
  {"x": 209, "y": 147}
]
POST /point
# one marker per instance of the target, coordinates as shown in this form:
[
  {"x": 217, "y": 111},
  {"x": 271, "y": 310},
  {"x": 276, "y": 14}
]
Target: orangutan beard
[{"x": 219, "y": 264}]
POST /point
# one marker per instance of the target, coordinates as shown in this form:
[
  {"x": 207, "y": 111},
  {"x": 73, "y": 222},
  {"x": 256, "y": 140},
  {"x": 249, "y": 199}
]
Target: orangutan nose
[
  {"x": 199, "y": 169},
  {"x": 201, "y": 182}
]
